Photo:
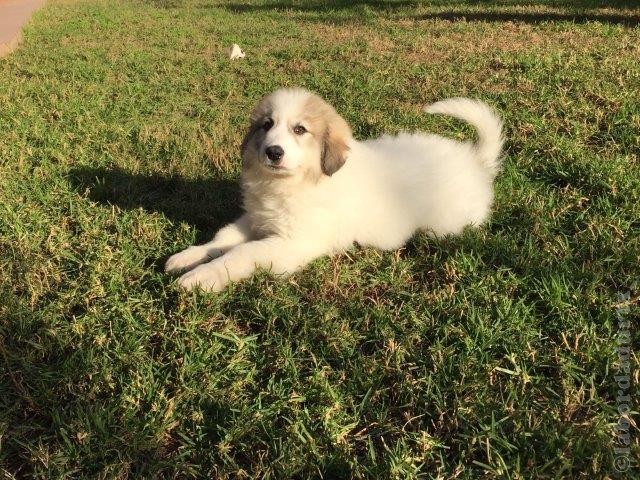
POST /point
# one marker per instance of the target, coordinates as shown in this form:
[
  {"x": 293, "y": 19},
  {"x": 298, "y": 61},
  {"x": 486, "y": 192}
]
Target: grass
[{"x": 490, "y": 355}]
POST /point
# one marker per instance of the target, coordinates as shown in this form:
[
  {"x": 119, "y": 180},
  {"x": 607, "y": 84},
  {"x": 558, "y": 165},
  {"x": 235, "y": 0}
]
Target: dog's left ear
[{"x": 336, "y": 145}]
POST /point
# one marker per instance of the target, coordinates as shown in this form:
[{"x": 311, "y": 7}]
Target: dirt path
[{"x": 13, "y": 15}]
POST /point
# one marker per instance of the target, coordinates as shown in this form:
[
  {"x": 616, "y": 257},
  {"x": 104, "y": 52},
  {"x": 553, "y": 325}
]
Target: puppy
[{"x": 310, "y": 189}]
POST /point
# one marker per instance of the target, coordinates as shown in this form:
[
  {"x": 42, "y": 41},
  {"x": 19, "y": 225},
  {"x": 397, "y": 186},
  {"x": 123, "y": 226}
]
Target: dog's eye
[
  {"x": 299, "y": 130},
  {"x": 268, "y": 123}
]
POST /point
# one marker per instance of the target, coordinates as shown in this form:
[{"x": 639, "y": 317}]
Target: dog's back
[{"x": 426, "y": 181}]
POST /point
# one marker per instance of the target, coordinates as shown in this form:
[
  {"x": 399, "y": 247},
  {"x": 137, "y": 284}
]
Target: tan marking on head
[{"x": 322, "y": 120}]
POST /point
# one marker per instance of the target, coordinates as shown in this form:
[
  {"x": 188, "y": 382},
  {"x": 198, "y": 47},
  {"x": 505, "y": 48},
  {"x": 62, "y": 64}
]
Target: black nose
[{"x": 274, "y": 152}]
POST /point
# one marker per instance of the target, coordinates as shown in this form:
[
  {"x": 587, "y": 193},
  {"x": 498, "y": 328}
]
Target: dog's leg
[
  {"x": 227, "y": 238},
  {"x": 276, "y": 254}
]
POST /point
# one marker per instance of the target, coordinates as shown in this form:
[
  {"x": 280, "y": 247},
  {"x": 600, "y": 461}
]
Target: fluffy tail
[{"x": 483, "y": 119}]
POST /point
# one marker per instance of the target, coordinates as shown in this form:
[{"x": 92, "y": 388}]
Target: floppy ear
[
  {"x": 257, "y": 114},
  {"x": 247, "y": 138},
  {"x": 335, "y": 145}
]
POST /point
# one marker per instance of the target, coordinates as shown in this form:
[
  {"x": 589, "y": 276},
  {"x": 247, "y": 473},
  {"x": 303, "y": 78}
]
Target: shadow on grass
[
  {"x": 531, "y": 17},
  {"x": 576, "y": 12},
  {"x": 207, "y": 204}
]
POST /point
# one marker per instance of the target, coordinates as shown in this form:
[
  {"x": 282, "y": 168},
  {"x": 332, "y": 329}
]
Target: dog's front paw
[
  {"x": 212, "y": 276},
  {"x": 186, "y": 260}
]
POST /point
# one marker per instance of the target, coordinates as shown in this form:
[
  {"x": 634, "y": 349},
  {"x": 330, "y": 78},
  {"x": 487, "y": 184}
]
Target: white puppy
[{"x": 311, "y": 189}]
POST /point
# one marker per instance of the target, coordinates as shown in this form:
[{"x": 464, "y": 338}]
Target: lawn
[{"x": 489, "y": 355}]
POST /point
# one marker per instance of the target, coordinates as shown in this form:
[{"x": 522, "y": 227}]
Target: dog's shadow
[{"x": 206, "y": 204}]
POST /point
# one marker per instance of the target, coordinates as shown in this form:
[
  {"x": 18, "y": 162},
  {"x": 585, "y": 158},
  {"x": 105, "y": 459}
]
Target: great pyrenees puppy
[{"x": 310, "y": 189}]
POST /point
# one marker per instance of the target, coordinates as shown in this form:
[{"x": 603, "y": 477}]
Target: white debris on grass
[{"x": 235, "y": 52}]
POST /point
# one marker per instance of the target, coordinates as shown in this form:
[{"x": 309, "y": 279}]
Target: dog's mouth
[{"x": 275, "y": 168}]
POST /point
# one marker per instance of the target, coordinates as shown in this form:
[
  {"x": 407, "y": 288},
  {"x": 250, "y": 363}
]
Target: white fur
[{"x": 388, "y": 188}]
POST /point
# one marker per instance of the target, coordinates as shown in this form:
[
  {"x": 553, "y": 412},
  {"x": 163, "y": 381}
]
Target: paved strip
[{"x": 13, "y": 15}]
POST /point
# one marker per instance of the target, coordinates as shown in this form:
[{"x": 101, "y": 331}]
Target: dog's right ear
[
  {"x": 258, "y": 113},
  {"x": 335, "y": 145},
  {"x": 253, "y": 128}
]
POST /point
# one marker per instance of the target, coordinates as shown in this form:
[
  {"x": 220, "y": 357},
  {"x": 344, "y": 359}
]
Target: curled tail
[{"x": 483, "y": 119}]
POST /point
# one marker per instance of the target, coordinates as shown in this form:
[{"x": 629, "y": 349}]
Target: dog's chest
[{"x": 271, "y": 212}]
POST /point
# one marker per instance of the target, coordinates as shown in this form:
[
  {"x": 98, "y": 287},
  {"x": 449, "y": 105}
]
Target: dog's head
[{"x": 294, "y": 131}]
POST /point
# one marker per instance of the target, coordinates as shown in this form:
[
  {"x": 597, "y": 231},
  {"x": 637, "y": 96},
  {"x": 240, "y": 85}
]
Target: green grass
[{"x": 490, "y": 355}]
